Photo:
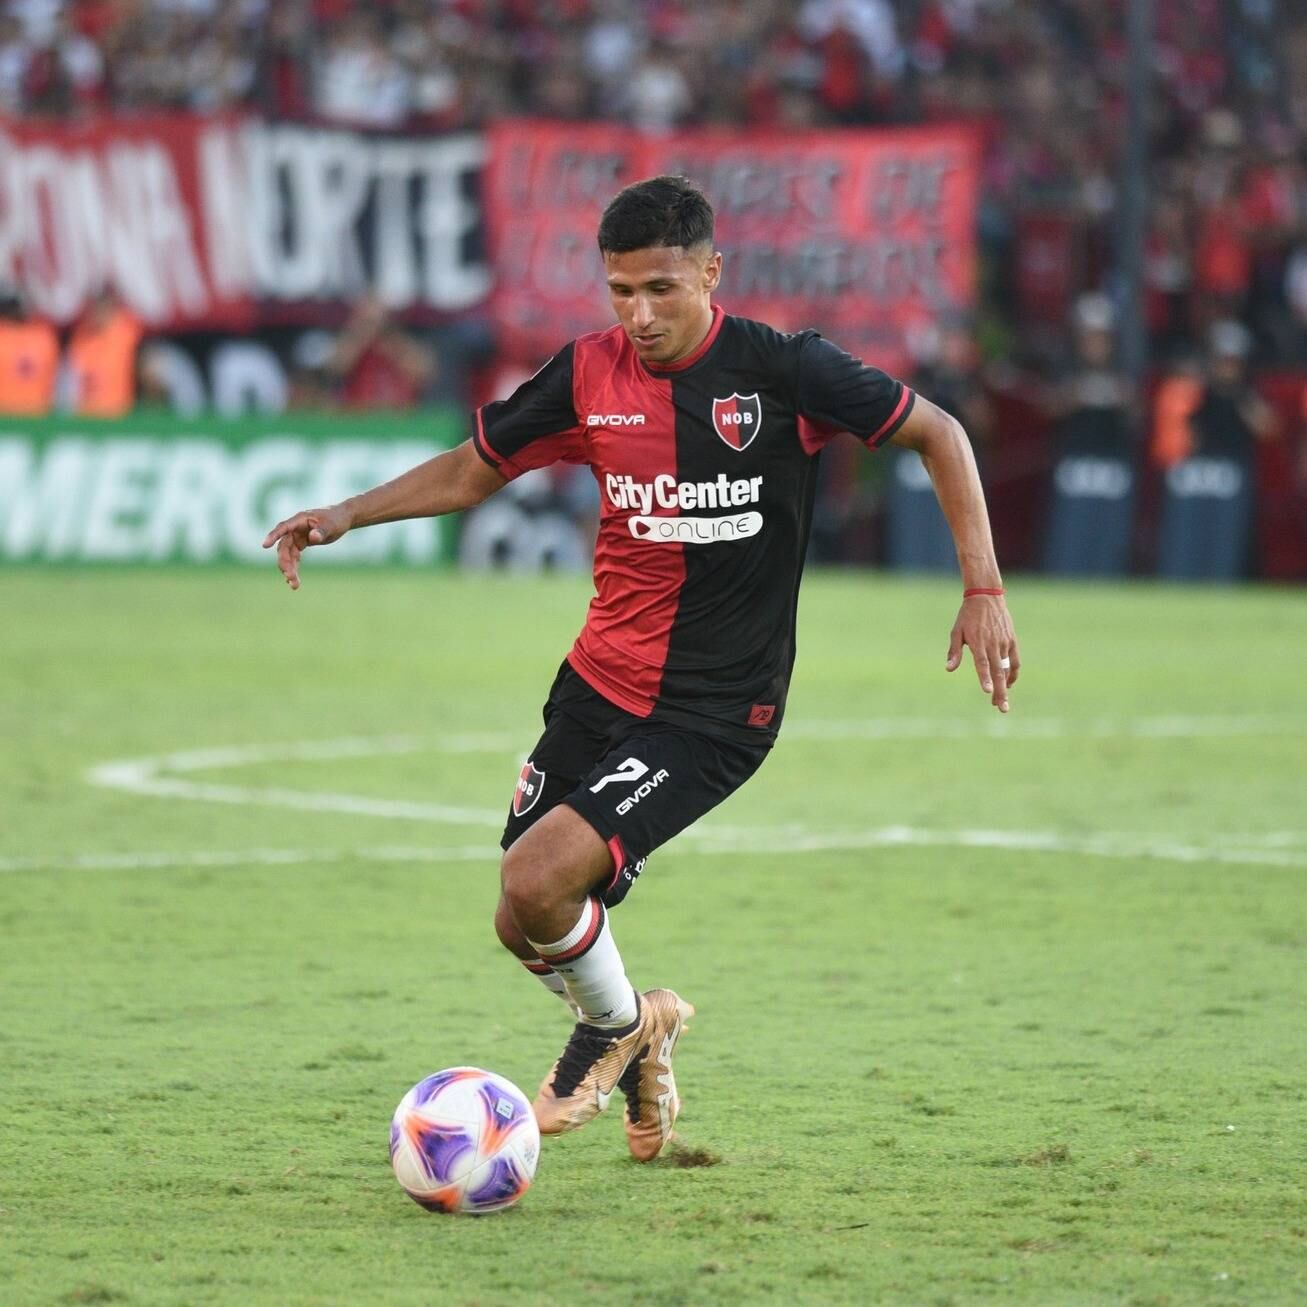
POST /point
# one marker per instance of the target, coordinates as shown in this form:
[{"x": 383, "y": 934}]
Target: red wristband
[{"x": 981, "y": 590}]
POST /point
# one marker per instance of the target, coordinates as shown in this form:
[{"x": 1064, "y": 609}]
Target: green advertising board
[{"x": 154, "y": 489}]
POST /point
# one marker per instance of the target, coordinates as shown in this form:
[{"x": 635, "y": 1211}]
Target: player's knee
[
  {"x": 525, "y": 881},
  {"x": 506, "y": 928}
]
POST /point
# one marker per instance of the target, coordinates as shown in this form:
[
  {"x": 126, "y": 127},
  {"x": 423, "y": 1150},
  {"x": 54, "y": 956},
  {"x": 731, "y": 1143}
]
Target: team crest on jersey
[
  {"x": 737, "y": 419},
  {"x": 529, "y": 785}
]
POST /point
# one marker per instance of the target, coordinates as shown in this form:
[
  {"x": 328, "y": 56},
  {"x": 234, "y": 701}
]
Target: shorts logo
[
  {"x": 737, "y": 419},
  {"x": 642, "y": 792},
  {"x": 761, "y": 714},
  {"x": 630, "y": 770},
  {"x": 529, "y": 785}
]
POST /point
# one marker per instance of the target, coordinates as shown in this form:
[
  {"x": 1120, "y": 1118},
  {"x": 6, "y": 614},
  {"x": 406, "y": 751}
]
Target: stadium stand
[{"x": 1044, "y": 81}]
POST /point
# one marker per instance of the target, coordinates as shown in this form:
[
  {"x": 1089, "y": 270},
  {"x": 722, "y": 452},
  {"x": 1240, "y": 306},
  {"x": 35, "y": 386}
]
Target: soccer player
[{"x": 702, "y": 430}]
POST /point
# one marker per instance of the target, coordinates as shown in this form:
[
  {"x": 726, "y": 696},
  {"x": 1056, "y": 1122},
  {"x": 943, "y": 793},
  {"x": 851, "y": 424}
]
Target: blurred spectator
[
  {"x": 948, "y": 375},
  {"x": 1295, "y": 293},
  {"x": 657, "y": 94},
  {"x": 1168, "y": 274},
  {"x": 15, "y": 55},
  {"x": 101, "y": 359},
  {"x": 1179, "y": 393},
  {"x": 1091, "y": 404},
  {"x": 1229, "y": 417},
  {"x": 869, "y": 22},
  {"x": 29, "y": 359},
  {"x": 170, "y": 378},
  {"x": 916, "y": 533},
  {"x": 1207, "y": 512},
  {"x": 310, "y": 381},
  {"x": 1092, "y": 504},
  {"x": 360, "y": 81},
  {"x": 377, "y": 363}
]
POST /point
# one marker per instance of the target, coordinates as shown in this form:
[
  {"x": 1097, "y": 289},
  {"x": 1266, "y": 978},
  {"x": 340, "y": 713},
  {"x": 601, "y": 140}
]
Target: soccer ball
[{"x": 464, "y": 1140}]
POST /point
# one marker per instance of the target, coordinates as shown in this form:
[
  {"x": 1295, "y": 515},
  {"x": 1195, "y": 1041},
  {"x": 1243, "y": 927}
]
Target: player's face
[{"x": 662, "y": 298}]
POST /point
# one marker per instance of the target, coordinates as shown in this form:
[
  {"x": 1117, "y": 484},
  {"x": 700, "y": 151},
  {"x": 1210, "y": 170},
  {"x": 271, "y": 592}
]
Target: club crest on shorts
[
  {"x": 737, "y": 419},
  {"x": 529, "y": 784}
]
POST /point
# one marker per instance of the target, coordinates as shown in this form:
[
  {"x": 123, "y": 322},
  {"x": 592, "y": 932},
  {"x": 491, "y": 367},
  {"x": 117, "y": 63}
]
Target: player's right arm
[
  {"x": 537, "y": 425},
  {"x": 457, "y": 479}
]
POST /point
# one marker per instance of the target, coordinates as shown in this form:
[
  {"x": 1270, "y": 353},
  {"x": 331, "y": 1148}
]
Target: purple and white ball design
[{"x": 464, "y": 1140}]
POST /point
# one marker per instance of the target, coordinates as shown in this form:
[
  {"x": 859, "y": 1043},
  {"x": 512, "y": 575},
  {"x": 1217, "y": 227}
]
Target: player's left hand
[{"x": 984, "y": 625}]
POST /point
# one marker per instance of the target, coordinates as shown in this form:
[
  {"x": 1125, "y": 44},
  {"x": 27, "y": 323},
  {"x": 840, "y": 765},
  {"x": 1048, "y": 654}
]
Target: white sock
[
  {"x": 548, "y": 977},
  {"x": 587, "y": 960}
]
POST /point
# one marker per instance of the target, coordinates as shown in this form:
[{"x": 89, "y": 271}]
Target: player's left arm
[{"x": 983, "y": 624}]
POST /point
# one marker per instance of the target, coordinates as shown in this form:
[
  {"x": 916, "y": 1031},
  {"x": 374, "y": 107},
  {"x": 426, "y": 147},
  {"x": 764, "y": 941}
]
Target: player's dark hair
[{"x": 659, "y": 211}]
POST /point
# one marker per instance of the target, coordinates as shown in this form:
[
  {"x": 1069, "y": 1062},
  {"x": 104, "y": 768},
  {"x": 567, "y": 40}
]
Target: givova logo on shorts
[
  {"x": 642, "y": 791},
  {"x": 632, "y": 769}
]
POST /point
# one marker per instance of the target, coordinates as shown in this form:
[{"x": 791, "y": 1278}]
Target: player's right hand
[{"x": 312, "y": 526}]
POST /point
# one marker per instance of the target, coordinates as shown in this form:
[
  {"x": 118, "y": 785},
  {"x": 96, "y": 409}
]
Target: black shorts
[{"x": 636, "y": 780}]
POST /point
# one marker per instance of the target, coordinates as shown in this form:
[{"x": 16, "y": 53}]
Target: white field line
[
  {"x": 236, "y": 858},
  {"x": 703, "y": 844},
  {"x": 149, "y": 776},
  {"x": 1122, "y": 844},
  {"x": 1175, "y": 726},
  {"x": 145, "y": 776},
  {"x": 159, "y": 777}
]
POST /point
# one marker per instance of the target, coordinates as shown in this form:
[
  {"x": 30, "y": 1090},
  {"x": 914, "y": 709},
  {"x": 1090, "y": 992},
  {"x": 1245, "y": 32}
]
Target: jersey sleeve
[
  {"x": 837, "y": 392},
  {"x": 535, "y": 426}
]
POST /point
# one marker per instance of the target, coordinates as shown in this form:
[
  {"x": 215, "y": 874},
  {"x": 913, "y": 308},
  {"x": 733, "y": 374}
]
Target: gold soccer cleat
[
  {"x": 583, "y": 1079},
  {"x": 648, "y": 1083}
]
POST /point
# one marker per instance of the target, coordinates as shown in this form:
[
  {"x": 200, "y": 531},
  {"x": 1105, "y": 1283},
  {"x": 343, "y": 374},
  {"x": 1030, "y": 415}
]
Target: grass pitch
[{"x": 1004, "y": 1010}]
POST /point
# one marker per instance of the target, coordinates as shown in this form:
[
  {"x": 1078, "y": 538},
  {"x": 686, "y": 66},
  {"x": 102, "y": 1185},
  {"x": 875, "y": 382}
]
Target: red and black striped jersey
[{"x": 706, "y": 472}]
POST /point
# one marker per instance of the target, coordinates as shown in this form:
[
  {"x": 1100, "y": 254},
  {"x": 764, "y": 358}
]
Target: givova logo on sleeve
[{"x": 632, "y": 769}]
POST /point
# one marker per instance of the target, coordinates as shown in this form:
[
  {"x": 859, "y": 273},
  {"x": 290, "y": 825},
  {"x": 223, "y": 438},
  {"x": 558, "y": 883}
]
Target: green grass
[{"x": 924, "y": 1073}]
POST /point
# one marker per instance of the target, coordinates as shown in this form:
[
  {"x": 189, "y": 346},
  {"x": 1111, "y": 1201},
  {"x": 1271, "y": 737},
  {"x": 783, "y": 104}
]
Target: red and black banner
[
  {"x": 203, "y": 223},
  {"x": 230, "y": 223},
  {"x": 865, "y": 234}
]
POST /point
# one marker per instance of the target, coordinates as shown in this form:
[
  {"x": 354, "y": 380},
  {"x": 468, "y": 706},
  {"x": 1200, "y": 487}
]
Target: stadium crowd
[
  {"x": 1225, "y": 267},
  {"x": 1043, "y": 78}
]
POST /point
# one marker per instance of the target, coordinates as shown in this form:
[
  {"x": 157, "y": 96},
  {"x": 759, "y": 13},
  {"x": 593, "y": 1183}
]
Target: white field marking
[
  {"x": 705, "y": 843},
  {"x": 1173, "y": 727},
  {"x": 145, "y": 776},
  {"x": 1275, "y": 839},
  {"x": 248, "y": 857},
  {"x": 763, "y": 840}
]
